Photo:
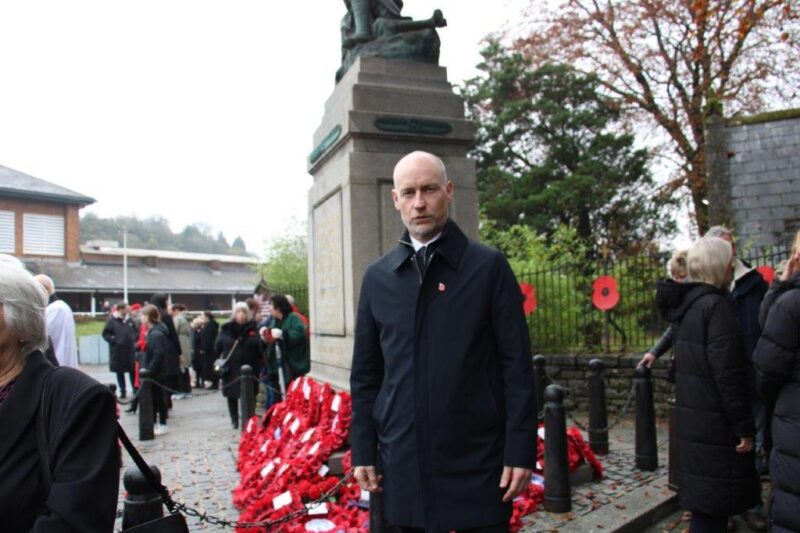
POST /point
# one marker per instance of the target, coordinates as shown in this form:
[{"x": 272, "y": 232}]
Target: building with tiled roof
[{"x": 40, "y": 224}]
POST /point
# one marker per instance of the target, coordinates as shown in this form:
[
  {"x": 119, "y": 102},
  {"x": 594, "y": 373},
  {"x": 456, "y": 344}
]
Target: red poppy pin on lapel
[{"x": 441, "y": 287}]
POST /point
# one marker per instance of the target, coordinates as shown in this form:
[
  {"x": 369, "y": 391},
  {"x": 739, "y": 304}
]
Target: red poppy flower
[
  {"x": 767, "y": 272},
  {"x": 530, "y": 304},
  {"x": 606, "y": 295}
]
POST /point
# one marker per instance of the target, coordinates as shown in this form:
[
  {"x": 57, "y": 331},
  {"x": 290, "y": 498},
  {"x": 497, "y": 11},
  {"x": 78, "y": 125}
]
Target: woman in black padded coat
[{"x": 715, "y": 426}]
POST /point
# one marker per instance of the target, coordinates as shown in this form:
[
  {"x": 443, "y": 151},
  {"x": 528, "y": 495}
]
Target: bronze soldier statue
[{"x": 377, "y": 28}]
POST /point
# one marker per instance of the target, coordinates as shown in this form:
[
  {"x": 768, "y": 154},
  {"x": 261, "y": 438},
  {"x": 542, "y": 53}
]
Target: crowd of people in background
[
  {"x": 179, "y": 351},
  {"x": 736, "y": 371}
]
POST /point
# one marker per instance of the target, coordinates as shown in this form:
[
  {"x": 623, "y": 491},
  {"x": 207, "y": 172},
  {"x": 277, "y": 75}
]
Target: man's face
[{"x": 422, "y": 196}]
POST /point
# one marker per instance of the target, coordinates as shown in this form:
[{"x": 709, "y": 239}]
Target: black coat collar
[
  {"x": 450, "y": 247},
  {"x": 19, "y": 409}
]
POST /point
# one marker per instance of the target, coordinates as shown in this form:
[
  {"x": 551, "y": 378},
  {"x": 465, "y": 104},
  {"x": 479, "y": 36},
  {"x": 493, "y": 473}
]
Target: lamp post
[{"x": 125, "y": 263}]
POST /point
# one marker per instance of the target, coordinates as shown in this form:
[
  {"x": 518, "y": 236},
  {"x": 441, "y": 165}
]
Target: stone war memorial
[{"x": 391, "y": 97}]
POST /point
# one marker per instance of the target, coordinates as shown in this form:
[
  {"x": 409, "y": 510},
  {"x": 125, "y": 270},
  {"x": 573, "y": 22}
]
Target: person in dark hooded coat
[
  {"x": 442, "y": 377},
  {"x": 238, "y": 341},
  {"x": 777, "y": 361},
  {"x": 120, "y": 332},
  {"x": 715, "y": 426},
  {"x": 207, "y": 346},
  {"x": 173, "y": 364},
  {"x": 155, "y": 359}
]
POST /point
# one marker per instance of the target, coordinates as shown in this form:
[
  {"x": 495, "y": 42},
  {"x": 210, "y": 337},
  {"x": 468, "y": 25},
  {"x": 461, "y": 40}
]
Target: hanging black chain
[{"x": 266, "y": 524}]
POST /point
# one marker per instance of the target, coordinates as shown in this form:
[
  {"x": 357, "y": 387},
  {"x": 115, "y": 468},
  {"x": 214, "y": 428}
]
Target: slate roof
[
  {"x": 20, "y": 185},
  {"x": 71, "y": 277}
]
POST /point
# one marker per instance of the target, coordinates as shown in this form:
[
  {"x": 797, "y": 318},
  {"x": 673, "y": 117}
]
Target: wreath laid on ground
[{"x": 283, "y": 464}]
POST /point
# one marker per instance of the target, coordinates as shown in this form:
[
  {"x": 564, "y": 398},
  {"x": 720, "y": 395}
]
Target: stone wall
[
  {"x": 572, "y": 373},
  {"x": 763, "y": 170}
]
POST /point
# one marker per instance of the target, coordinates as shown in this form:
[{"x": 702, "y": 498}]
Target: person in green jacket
[{"x": 290, "y": 333}]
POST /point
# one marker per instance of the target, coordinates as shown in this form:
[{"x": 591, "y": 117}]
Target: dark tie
[{"x": 422, "y": 260}]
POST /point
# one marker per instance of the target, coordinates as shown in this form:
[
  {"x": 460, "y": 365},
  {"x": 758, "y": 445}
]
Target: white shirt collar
[{"x": 417, "y": 245}]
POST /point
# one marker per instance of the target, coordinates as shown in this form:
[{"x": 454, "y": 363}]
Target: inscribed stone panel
[{"x": 328, "y": 266}]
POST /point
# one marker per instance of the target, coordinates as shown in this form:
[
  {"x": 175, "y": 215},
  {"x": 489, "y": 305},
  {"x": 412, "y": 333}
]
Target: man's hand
[
  {"x": 647, "y": 360},
  {"x": 516, "y": 479},
  {"x": 368, "y": 479},
  {"x": 745, "y": 445}
]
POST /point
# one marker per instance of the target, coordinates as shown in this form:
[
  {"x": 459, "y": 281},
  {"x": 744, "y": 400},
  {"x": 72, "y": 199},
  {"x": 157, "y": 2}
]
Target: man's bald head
[
  {"x": 422, "y": 194},
  {"x": 417, "y": 159},
  {"x": 47, "y": 283}
]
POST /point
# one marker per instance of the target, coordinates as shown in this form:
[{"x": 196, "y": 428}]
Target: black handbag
[{"x": 221, "y": 366}]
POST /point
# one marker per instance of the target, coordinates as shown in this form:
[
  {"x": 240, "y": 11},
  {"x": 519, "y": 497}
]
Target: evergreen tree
[{"x": 551, "y": 152}]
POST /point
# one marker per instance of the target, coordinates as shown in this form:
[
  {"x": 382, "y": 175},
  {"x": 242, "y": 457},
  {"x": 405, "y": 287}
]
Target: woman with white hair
[
  {"x": 59, "y": 458},
  {"x": 716, "y": 461},
  {"x": 238, "y": 342}
]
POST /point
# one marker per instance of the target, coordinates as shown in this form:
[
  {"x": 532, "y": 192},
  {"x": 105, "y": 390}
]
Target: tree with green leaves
[
  {"x": 286, "y": 262},
  {"x": 551, "y": 151}
]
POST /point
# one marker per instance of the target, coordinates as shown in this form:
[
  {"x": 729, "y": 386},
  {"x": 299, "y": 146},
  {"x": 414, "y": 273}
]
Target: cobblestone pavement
[
  {"x": 197, "y": 457},
  {"x": 621, "y": 478}
]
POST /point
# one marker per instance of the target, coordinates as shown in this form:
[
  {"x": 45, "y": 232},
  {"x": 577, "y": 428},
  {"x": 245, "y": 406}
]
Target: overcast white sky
[{"x": 195, "y": 110}]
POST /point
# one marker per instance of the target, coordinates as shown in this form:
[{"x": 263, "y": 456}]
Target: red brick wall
[
  {"x": 72, "y": 229},
  {"x": 20, "y": 206}
]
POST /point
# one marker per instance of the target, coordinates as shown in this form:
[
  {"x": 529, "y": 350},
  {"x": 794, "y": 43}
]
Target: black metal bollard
[
  {"x": 557, "y": 497},
  {"x": 539, "y": 381},
  {"x": 598, "y": 417},
  {"x": 646, "y": 447},
  {"x": 146, "y": 420},
  {"x": 247, "y": 400},
  {"x": 673, "y": 446},
  {"x": 377, "y": 517},
  {"x": 142, "y": 503}
]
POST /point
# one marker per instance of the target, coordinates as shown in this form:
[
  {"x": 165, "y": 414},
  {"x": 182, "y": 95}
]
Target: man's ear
[{"x": 395, "y": 199}]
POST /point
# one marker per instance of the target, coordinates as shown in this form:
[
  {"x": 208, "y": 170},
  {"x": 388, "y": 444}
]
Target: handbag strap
[
  {"x": 145, "y": 469},
  {"x": 230, "y": 352},
  {"x": 42, "y": 417}
]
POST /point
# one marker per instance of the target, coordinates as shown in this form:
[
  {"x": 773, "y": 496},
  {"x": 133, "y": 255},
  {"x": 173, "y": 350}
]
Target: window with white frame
[
  {"x": 43, "y": 234},
  {"x": 7, "y": 232}
]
